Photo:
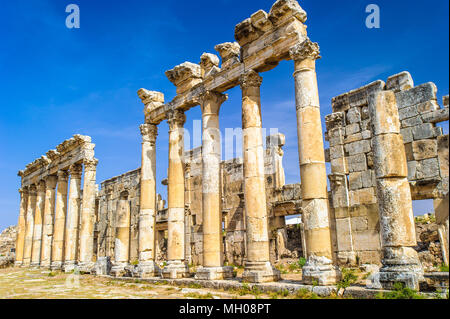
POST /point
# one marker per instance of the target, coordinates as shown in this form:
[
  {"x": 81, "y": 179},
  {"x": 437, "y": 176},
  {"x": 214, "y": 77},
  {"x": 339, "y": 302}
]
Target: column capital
[
  {"x": 23, "y": 191},
  {"x": 50, "y": 181},
  {"x": 305, "y": 50},
  {"x": 175, "y": 119},
  {"x": 76, "y": 170},
  {"x": 149, "y": 133},
  {"x": 210, "y": 101},
  {"x": 63, "y": 176},
  {"x": 41, "y": 186},
  {"x": 32, "y": 190},
  {"x": 250, "y": 79},
  {"x": 90, "y": 165}
]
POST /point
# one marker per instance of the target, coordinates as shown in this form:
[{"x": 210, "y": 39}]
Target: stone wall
[{"x": 350, "y": 154}]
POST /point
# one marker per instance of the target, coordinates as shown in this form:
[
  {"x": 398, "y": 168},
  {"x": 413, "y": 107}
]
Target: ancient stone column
[
  {"x": 212, "y": 268},
  {"x": 38, "y": 217},
  {"x": 73, "y": 218},
  {"x": 49, "y": 214},
  {"x": 148, "y": 206},
  {"x": 122, "y": 239},
  {"x": 319, "y": 267},
  {"x": 257, "y": 267},
  {"x": 176, "y": 265},
  {"x": 86, "y": 237},
  {"x": 29, "y": 230},
  {"x": 60, "y": 220},
  {"x": 22, "y": 224},
  {"x": 398, "y": 236}
]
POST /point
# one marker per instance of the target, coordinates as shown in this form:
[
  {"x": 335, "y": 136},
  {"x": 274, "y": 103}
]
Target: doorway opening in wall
[{"x": 295, "y": 241}]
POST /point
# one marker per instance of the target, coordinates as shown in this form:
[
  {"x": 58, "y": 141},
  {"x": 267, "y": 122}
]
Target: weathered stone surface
[
  {"x": 419, "y": 94},
  {"x": 400, "y": 82}
]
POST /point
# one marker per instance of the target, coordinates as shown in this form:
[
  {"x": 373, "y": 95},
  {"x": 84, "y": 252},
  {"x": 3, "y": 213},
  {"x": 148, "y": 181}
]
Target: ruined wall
[{"x": 349, "y": 132}]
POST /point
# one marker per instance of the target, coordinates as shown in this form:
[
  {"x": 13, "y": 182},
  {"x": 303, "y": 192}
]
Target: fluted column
[
  {"x": 86, "y": 262},
  {"x": 319, "y": 266},
  {"x": 72, "y": 219},
  {"x": 38, "y": 218},
  {"x": 29, "y": 230},
  {"x": 176, "y": 267},
  {"x": 49, "y": 214},
  {"x": 398, "y": 236},
  {"x": 122, "y": 240},
  {"x": 257, "y": 267},
  {"x": 147, "y": 213},
  {"x": 22, "y": 224},
  {"x": 60, "y": 220},
  {"x": 211, "y": 198}
]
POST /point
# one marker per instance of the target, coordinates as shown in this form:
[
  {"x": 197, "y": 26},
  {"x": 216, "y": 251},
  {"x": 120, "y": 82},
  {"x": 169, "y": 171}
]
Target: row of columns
[
  {"x": 312, "y": 167},
  {"x": 56, "y": 223}
]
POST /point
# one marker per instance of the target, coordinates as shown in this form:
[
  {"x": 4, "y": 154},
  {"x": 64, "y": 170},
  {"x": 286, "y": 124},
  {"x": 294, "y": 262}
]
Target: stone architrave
[
  {"x": 257, "y": 266},
  {"x": 212, "y": 267},
  {"x": 398, "y": 236}
]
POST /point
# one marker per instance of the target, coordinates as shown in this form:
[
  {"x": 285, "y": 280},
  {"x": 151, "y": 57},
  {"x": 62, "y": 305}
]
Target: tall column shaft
[
  {"x": 319, "y": 267},
  {"x": 398, "y": 236},
  {"x": 38, "y": 218},
  {"x": 29, "y": 230},
  {"x": 22, "y": 224},
  {"x": 257, "y": 267},
  {"x": 122, "y": 239},
  {"x": 86, "y": 238},
  {"x": 176, "y": 240},
  {"x": 148, "y": 206},
  {"x": 211, "y": 198},
  {"x": 60, "y": 220},
  {"x": 73, "y": 217},
  {"x": 49, "y": 214}
]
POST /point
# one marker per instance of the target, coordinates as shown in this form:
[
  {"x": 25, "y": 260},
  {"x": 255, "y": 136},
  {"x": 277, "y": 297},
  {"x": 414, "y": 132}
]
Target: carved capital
[
  {"x": 250, "y": 79},
  {"x": 50, "y": 181},
  {"x": 90, "y": 165},
  {"x": 41, "y": 187},
  {"x": 23, "y": 191},
  {"x": 211, "y": 101},
  {"x": 175, "y": 119},
  {"x": 305, "y": 50},
  {"x": 149, "y": 133},
  {"x": 63, "y": 176},
  {"x": 76, "y": 170},
  {"x": 32, "y": 190}
]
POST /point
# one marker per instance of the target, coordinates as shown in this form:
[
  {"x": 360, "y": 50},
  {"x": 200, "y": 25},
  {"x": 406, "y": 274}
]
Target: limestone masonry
[{"x": 385, "y": 150}]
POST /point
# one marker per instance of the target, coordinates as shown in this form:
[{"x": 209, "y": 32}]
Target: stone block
[
  {"x": 443, "y": 145},
  {"x": 419, "y": 94},
  {"x": 353, "y": 138},
  {"x": 353, "y": 115},
  {"x": 365, "y": 113},
  {"x": 366, "y": 134},
  {"x": 335, "y": 120},
  {"x": 389, "y": 158},
  {"x": 358, "y": 147},
  {"x": 412, "y": 121},
  {"x": 427, "y": 168},
  {"x": 352, "y": 129},
  {"x": 367, "y": 196},
  {"x": 359, "y": 223},
  {"x": 400, "y": 82},
  {"x": 339, "y": 165},
  {"x": 409, "y": 152},
  {"x": 407, "y": 134},
  {"x": 366, "y": 240},
  {"x": 336, "y": 136},
  {"x": 424, "y": 149},
  {"x": 437, "y": 116},
  {"x": 423, "y": 131},
  {"x": 355, "y": 180},
  {"x": 368, "y": 178},
  {"x": 343, "y": 234},
  {"x": 336, "y": 152},
  {"x": 427, "y": 106},
  {"x": 340, "y": 103},
  {"x": 412, "y": 168},
  {"x": 384, "y": 113},
  {"x": 408, "y": 112},
  {"x": 357, "y": 163}
]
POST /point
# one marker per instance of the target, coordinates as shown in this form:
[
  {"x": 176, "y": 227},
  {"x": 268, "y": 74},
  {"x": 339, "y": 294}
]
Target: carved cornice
[
  {"x": 250, "y": 79},
  {"x": 149, "y": 133},
  {"x": 305, "y": 50}
]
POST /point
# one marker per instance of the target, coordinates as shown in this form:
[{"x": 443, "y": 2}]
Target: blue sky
[{"x": 56, "y": 82}]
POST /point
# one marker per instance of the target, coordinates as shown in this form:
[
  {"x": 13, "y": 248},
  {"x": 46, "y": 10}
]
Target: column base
[
  {"x": 320, "y": 271},
  {"x": 86, "y": 267},
  {"x": 56, "y": 265},
  {"x": 401, "y": 264},
  {"x": 147, "y": 269},
  {"x": 214, "y": 273},
  {"x": 347, "y": 258},
  {"x": 102, "y": 266},
  {"x": 120, "y": 270},
  {"x": 260, "y": 271},
  {"x": 175, "y": 269},
  {"x": 69, "y": 266},
  {"x": 18, "y": 264}
]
